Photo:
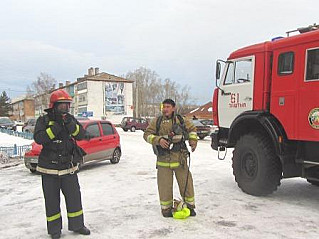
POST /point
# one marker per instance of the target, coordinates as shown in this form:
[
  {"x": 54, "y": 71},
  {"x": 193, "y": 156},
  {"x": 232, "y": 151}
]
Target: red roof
[{"x": 202, "y": 112}]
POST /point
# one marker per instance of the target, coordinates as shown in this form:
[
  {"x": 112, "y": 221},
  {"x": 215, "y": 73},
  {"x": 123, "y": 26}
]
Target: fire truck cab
[{"x": 266, "y": 106}]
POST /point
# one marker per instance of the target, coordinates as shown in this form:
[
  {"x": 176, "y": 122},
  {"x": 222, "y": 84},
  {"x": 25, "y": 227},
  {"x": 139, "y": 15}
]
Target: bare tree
[
  {"x": 150, "y": 90},
  {"x": 144, "y": 90},
  {"x": 41, "y": 88},
  {"x": 43, "y": 84}
]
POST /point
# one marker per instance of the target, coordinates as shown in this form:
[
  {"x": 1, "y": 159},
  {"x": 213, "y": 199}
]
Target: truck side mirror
[{"x": 218, "y": 67}]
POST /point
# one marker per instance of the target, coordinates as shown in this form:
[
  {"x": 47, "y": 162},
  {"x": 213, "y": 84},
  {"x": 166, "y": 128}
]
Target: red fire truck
[{"x": 266, "y": 105}]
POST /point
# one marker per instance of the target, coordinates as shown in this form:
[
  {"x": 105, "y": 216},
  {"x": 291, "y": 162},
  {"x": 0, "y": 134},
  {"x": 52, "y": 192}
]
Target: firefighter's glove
[
  {"x": 164, "y": 143},
  {"x": 67, "y": 118},
  {"x": 69, "y": 122},
  {"x": 193, "y": 144}
]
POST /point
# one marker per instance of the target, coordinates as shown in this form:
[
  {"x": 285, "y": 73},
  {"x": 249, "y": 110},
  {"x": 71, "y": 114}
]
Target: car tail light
[
  {"x": 30, "y": 153},
  {"x": 215, "y": 107}
]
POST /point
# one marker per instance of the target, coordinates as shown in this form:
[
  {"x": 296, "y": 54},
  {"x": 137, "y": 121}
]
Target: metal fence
[
  {"x": 15, "y": 151},
  {"x": 25, "y": 135}
]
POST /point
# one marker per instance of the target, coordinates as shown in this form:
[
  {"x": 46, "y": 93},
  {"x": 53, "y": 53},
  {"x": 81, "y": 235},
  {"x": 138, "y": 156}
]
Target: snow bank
[{"x": 9, "y": 140}]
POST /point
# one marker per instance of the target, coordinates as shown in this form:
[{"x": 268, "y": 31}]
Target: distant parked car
[
  {"x": 29, "y": 125},
  {"x": 207, "y": 122},
  {"x": 105, "y": 144},
  {"x": 131, "y": 123},
  {"x": 7, "y": 123},
  {"x": 202, "y": 130}
]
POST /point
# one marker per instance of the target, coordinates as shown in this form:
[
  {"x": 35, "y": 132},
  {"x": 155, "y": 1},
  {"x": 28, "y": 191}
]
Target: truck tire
[
  {"x": 313, "y": 182},
  {"x": 256, "y": 167}
]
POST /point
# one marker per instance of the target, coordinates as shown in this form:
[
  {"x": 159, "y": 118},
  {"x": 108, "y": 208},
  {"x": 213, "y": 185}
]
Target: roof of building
[
  {"x": 105, "y": 77},
  {"x": 21, "y": 98},
  {"x": 202, "y": 112}
]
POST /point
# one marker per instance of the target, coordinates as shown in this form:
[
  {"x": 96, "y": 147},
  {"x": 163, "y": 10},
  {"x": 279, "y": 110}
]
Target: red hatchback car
[{"x": 104, "y": 144}]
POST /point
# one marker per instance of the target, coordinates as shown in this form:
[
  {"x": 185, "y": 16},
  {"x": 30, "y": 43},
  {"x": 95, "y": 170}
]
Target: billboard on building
[{"x": 114, "y": 97}]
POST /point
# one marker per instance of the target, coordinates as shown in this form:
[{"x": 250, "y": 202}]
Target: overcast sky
[{"x": 179, "y": 39}]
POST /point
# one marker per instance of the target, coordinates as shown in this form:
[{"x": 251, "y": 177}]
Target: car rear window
[
  {"x": 107, "y": 129},
  {"x": 5, "y": 121},
  {"x": 93, "y": 130}
]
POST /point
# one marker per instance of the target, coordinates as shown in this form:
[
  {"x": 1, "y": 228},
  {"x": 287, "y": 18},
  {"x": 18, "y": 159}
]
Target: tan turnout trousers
[{"x": 165, "y": 185}]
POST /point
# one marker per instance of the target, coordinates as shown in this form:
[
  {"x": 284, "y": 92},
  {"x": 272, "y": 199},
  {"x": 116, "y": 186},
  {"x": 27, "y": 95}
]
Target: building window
[
  {"x": 70, "y": 90},
  {"x": 82, "y": 86},
  {"x": 81, "y": 110},
  {"x": 286, "y": 63},
  {"x": 82, "y": 98},
  {"x": 312, "y": 65}
]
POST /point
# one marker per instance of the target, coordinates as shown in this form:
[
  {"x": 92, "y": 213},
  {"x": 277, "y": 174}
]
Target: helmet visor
[{"x": 63, "y": 107}]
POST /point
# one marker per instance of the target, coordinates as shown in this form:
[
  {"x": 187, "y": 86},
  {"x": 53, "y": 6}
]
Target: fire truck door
[
  {"x": 308, "y": 118},
  {"x": 236, "y": 95}
]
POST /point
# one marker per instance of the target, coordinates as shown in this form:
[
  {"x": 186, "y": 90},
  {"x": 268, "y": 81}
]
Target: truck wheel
[
  {"x": 256, "y": 167},
  {"x": 116, "y": 156},
  {"x": 313, "y": 182},
  {"x": 133, "y": 129}
]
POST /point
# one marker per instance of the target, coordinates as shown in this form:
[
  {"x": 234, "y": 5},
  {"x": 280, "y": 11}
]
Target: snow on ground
[
  {"x": 121, "y": 201},
  {"x": 9, "y": 140}
]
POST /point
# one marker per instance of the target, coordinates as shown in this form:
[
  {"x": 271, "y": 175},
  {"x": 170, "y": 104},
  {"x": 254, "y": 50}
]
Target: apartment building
[
  {"x": 22, "y": 108},
  {"x": 96, "y": 95}
]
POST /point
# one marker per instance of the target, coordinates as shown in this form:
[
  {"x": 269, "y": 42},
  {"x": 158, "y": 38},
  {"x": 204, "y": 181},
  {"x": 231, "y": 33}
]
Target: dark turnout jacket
[{"x": 57, "y": 137}]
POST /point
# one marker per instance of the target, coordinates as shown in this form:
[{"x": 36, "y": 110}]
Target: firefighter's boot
[
  {"x": 84, "y": 231},
  {"x": 191, "y": 209},
  {"x": 167, "y": 212},
  {"x": 192, "y": 212}
]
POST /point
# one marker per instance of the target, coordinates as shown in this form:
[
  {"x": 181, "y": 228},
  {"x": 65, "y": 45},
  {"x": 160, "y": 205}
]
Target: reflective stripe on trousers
[{"x": 168, "y": 165}]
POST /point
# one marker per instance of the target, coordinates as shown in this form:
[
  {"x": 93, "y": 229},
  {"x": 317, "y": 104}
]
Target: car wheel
[
  {"x": 133, "y": 129},
  {"x": 33, "y": 170},
  {"x": 256, "y": 167},
  {"x": 125, "y": 130},
  {"x": 116, "y": 156}
]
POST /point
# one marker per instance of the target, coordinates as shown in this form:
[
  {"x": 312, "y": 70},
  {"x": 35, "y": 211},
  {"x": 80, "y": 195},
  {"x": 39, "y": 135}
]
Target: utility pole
[{"x": 136, "y": 101}]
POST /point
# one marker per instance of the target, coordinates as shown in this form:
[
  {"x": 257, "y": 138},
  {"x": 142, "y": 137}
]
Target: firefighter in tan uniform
[{"x": 167, "y": 134}]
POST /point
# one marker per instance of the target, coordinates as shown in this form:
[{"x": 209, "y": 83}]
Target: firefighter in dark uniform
[{"x": 57, "y": 132}]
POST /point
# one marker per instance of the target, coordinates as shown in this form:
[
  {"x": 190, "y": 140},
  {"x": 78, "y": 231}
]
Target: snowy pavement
[{"x": 121, "y": 201}]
